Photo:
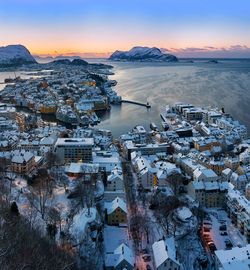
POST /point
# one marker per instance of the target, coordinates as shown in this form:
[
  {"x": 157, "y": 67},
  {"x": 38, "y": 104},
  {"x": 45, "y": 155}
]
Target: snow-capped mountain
[
  {"x": 15, "y": 55},
  {"x": 143, "y": 54}
]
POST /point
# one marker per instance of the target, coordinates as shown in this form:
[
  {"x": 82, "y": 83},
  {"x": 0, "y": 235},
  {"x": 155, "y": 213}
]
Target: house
[
  {"x": 82, "y": 169},
  {"x": 115, "y": 185},
  {"x": 121, "y": 258},
  {"x": 115, "y": 180},
  {"x": 232, "y": 162},
  {"x": 48, "y": 141},
  {"x": 23, "y": 162},
  {"x": 116, "y": 211},
  {"x": 145, "y": 171},
  {"x": 244, "y": 157},
  {"x": 205, "y": 175},
  {"x": 165, "y": 257},
  {"x": 226, "y": 174},
  {"x": 248, "y": 191},
  {"x": 239, "y": 181}
]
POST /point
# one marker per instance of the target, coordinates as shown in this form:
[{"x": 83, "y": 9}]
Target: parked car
[
  {"x": 223, "y": 233},
  {"x": 207, "y": 223},
  {"x": 228, "y": 243},
  {"x": 146, "y": 258},
  {"x": 212, "y": 247},
  {"x": 223, "y": 227}
]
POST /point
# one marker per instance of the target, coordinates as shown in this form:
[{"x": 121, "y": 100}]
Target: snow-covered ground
[
  {"x": 219, "y": 217},
  {"x": 114, "y": 236}
]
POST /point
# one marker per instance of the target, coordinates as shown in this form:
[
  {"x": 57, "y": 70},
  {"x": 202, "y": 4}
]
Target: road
[{"x": 134, "y": 208}]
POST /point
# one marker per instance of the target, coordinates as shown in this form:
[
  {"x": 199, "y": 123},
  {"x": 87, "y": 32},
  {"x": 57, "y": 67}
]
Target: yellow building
[
  {"x": 116, "y": 212},
  {"x": 48, "y": 108}
]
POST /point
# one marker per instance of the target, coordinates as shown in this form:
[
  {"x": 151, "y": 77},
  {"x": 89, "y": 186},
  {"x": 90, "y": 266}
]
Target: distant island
[
  {"x": 143, "y": 54},
  {"x": 15, "y": 55}
]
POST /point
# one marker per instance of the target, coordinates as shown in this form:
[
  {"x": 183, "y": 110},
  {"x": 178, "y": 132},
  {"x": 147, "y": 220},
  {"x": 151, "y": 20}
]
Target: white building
[
  {"x": 74, "y": 149},
  {"x": 236, "y": 258},
  {"x": 165, "y": 255},
  {"x": 115, "y": 180},
  {"x": 121, "y": 258},
  {"x": 205, "y": 175}
]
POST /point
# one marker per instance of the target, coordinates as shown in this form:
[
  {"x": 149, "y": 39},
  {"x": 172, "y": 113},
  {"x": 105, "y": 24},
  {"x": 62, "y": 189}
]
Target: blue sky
[{"x": 83, "y": 26}]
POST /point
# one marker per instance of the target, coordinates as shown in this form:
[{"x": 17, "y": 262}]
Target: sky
[{"x": 96, "y": 28}]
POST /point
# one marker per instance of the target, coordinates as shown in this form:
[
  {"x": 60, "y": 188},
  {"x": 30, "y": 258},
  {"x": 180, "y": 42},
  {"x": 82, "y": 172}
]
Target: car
[
  {"x": 148, "y": 267},
  {"x": 146, "y": 258},
  {"x": 207, "y": 223},
  {"x": 212, "y": 247},
  {"x": 223, "y": 233},
  {"x": 223, "y": 227},
  {"x": 228, "y": 243}
]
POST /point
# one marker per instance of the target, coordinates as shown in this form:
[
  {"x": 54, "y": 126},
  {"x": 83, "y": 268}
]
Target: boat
[
  {"x": 153, "y": 126},
  {"x": 10, "y": 80},
  {"x": 165, "y": 125}
]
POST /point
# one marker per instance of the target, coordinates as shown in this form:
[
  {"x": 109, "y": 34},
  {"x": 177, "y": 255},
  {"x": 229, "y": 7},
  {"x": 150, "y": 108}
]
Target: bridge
[{"x": 137, "y": 103}]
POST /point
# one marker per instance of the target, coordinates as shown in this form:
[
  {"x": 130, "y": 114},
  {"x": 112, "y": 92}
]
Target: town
[{"x": 174, "y": 198}]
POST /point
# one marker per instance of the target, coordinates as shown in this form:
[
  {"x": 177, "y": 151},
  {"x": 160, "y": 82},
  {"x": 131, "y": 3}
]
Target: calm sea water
[{"x": 226, "y": 84}]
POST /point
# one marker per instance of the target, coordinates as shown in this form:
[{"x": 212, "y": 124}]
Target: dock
[{"x": 137, "y": 103}]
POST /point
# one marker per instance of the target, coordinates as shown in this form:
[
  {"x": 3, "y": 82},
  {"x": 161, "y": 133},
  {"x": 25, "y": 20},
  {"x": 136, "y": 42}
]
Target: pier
[{"x": 137, "y": 103}]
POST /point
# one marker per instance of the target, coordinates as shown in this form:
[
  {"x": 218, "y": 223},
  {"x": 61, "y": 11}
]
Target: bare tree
[
  {"x": 40, "y": 194},
  {"x": 11, "y": 177},
  {"x": 164, "y": 211}
]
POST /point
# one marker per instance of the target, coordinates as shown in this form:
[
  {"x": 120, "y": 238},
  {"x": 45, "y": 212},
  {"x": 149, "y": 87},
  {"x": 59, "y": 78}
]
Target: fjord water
[
  {"x": 226, "y": 84},
  {"x": 202, "y": 83}
]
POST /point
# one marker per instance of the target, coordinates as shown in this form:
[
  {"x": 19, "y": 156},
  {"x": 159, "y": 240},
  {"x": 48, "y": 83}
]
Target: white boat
[{"x": 165, "y": 125}]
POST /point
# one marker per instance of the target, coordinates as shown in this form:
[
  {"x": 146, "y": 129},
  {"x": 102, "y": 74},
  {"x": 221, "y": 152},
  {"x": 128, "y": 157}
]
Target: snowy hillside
[
  {"x": 15, "y": 55},
  {"x": 142, "y": 54}
]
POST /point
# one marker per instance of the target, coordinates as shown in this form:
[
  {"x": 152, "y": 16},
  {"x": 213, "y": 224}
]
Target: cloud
[{"x": 233, "y": 51}]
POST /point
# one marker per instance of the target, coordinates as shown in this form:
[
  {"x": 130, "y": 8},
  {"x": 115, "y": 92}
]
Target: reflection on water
[{"x": 225, "y": 84}]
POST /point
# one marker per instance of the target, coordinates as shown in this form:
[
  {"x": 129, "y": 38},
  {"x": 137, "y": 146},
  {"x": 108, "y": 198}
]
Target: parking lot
[{"x": 219, "y": 233}]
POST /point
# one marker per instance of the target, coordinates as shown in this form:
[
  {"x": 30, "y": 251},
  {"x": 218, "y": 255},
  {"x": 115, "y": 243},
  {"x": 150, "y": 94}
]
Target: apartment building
[{"x": 74, "y": 149}]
